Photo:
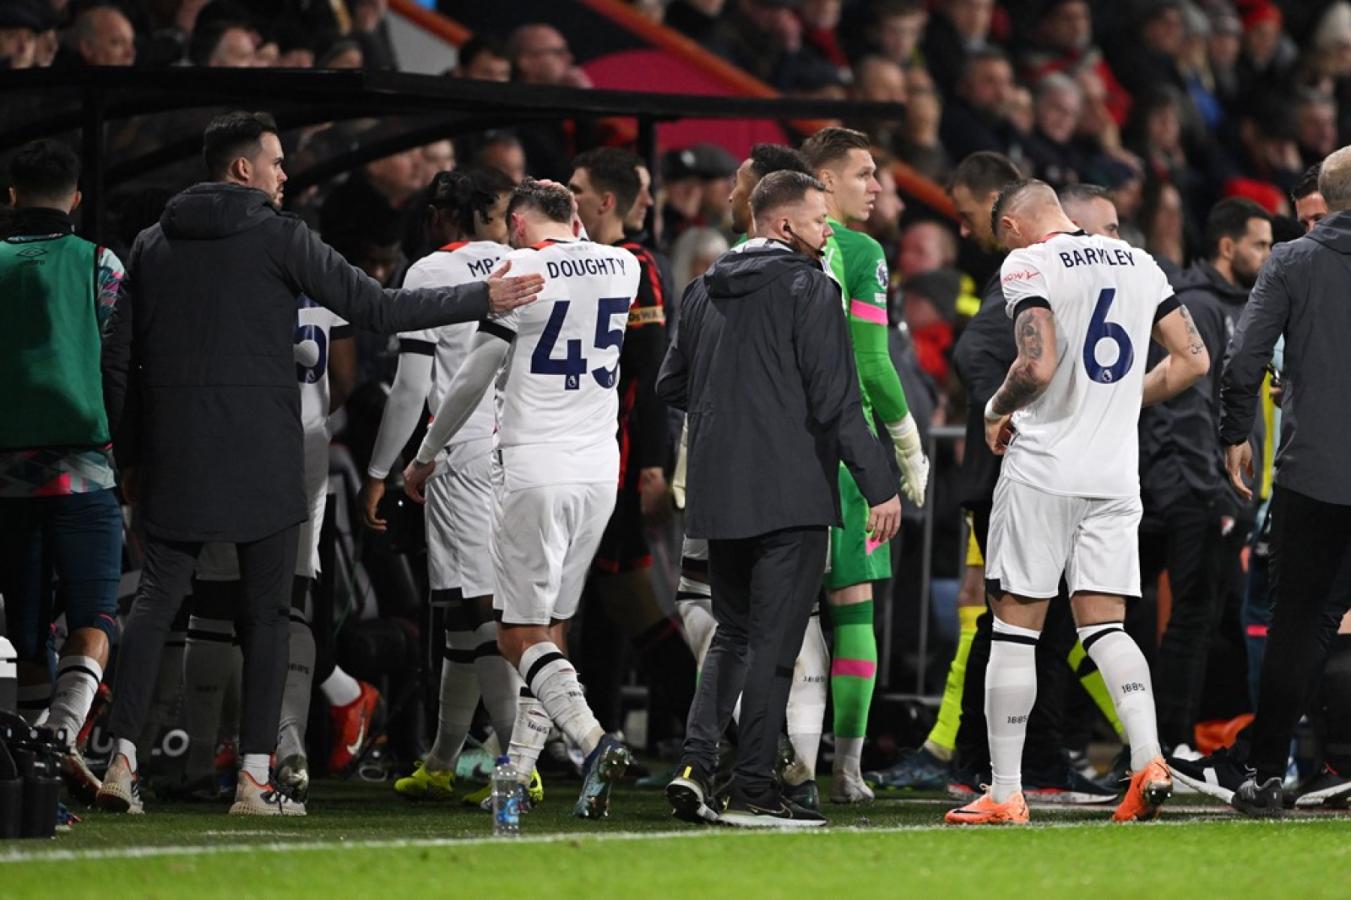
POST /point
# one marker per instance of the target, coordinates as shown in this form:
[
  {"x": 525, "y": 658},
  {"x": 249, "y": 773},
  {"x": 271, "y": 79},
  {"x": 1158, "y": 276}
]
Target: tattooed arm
[
  {"x": 1031, "y": 372},
  {"x": 1187, "y": 360}
]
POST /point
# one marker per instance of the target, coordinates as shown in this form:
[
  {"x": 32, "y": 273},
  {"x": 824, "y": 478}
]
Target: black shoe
[
  {"x": 1327, "y": 790},
  {"x": 806, "y": 795},
  {"x": 1218, "y": 775},
  {"x": 966, "y": 783},
  {"x": 917, "y": 770},
  {"x": 1064, "y": 786},
  {"x": 690, "y": 794},
  {"x": 773, "y": 811},
  {"x": 1259, "y": 801},
  {"x": 1117, "y": 778}
]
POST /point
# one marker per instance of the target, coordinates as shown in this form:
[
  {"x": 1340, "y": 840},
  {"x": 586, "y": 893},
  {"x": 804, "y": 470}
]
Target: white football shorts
[
  {"x": 1036, "y": 536},
  {"x": 459, "y": 514},
  {"x": 544, "y": 540}
]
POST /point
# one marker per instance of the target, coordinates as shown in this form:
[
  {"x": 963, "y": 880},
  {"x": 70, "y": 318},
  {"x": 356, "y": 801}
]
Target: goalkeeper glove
[{"x": 910, "y": 457}]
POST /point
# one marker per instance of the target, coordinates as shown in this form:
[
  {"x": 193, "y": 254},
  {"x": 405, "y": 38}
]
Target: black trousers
[
  {"x": 1186, "y": 542},
  {"x": 1044, "y": 748},
  {"x": 1311, "y": 583},
  {"x": 266, "y": 567},
  {"x": 764, "y": 590}
]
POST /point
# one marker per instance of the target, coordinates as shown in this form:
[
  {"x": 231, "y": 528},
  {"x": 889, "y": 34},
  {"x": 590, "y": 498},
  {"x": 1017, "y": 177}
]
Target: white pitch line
[{"x": 13, "y": 856}]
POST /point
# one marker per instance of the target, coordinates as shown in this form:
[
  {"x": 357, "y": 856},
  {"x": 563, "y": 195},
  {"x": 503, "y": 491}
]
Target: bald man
[{"x": 1068, "y": 498}]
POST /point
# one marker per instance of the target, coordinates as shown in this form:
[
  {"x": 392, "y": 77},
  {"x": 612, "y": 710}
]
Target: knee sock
[
  {"x": 694, "y": 604},
  {"x": 1010, "y": 693},
  {"x": 295, "y": 698},
  {"x": 339, "y": 688},
  {"x": 942, "y": 737},
  {"x": 207, "y": 665},
  {"x": 1126, "y": 673},
  {"x": 529, "y": 734},
  {"x": 552, "y": 679},
  {"x": 1090, "y": 679},
  {"x": 852, "y": 676},
  {"x": 498, "y": 682},
  {"x": 77, "y": 681},
  {"x": 459, "y": 699},
  {"x": 34, "y": 700},
  {"x": 806, "y": 712}
]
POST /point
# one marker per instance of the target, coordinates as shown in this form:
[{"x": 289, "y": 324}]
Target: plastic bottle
[{"x": 507, "y": 793}]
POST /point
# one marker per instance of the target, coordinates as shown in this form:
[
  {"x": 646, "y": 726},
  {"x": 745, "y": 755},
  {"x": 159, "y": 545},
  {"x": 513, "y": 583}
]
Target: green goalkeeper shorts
[{"x": 854, "y": 559}]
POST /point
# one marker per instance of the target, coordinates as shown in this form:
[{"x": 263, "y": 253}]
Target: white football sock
[
  {"x": 207, "y": 665},
  {"x": 34, "y": 701},
  {"x": 694, "y": 605},
  {"x": 552, "y": 679},
  {"x": 77, "y": 681},
  {"x": 340, "y": 689},
  {"x": 1010, "y": 693},
  {"x": 1126, "y": 672},
  {"x": 498, "y": 682},
  {"x": 459, "y": 699},
  {"x": 295, "y": 698},
  {"x": 807, "y": 697},
  {"x": 256, "y": 765},
  {"x": 127, "y": 749},
  {"x": 529, "y": 734}
]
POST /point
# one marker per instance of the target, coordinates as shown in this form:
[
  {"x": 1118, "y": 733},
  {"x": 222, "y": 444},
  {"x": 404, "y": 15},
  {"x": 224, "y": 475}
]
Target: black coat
[
  {"x": 1301, "y": 294},
  {"x": 1180, "y": 456},
  {"x": 982, "y": 357},
  {"x": 763, "y": 365},
  {"x": 199, "y": 377}
]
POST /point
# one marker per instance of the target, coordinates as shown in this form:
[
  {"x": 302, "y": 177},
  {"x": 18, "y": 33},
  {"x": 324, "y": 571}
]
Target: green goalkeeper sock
[{"x": 853, "y": 672}]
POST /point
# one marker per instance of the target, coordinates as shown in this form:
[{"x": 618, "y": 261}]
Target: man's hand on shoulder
[{"x": 505, "y": 294}]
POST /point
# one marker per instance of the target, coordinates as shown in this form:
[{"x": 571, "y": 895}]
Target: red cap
[
  {"x": 1259, "y": 11},
  {"x": 1263, "y": 193}
]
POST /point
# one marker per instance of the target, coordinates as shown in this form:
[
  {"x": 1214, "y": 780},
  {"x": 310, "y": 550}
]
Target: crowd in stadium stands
[{"x": 1197, "y": 125}]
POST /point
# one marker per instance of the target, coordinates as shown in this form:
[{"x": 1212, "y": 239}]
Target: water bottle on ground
[{"x": 507, "y": 794}]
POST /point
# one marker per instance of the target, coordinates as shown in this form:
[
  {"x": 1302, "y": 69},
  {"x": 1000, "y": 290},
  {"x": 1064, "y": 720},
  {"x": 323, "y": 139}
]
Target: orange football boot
[
  {"x": 985, "y": 811},
  {"x": 1149, "y": 788}
]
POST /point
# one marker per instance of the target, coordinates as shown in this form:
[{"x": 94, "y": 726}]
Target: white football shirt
[
  {"x": 1079, "y": 438},
  {"x": 463, "y": 262},
  {"x": 557, "y": 406},
  {"x": 314, "y": 328}
]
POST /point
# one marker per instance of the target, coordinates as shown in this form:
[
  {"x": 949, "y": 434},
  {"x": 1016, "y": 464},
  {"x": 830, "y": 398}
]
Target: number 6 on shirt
[
  {"x": 1100, "y": 329},
  {"x": 573, "y": 364}
]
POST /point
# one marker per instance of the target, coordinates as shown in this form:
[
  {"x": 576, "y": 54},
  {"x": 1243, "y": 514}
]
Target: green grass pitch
[{"x": 360, "y": 840}]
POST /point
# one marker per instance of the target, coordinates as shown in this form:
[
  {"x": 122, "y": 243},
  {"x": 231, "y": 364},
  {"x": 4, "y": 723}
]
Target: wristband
[{"x": 990, "y": 414}]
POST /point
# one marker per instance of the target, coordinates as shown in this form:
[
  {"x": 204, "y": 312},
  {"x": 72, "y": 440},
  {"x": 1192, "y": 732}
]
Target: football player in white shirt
[
  {"x": 1068, "y": 498},
  {"x": 557, "y": 407},
  {"x": 467, "y": 221}
]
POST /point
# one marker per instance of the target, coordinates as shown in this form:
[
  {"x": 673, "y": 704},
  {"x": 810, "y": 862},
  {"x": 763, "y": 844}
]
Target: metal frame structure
[{"x": 307, "y": 97}]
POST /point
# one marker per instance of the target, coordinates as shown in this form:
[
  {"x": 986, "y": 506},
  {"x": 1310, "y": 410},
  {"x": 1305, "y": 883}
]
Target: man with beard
[{"x": 1189, "y": 514}]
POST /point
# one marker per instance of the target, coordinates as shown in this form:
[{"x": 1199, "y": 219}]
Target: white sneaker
[
  {"x": 121, "y": 788},
  {"x": 1185, "y": 753},
  {"x": 254, "y": 799},
  {"x": 849, "y": 787}
]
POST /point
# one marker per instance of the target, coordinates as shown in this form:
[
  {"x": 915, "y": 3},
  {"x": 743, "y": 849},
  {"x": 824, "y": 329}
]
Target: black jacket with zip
[
  {"x": 763, "y": 365},
  {"x": 198, "y": 370}
]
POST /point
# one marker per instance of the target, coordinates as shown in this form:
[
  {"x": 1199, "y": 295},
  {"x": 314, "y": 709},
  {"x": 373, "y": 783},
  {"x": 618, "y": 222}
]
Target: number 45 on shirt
[{"x": 573, "y": 365}]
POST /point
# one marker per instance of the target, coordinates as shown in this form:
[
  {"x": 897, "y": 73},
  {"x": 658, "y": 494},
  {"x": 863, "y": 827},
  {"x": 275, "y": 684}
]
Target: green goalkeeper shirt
[{"x": 858, "y": 264}]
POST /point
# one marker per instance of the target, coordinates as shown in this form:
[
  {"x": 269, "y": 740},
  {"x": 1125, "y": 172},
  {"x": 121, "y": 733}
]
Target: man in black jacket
[
  {"x": 1192, "y": 524},
  {"x": 762, "y": 365},
  {"x": 199, "y": 384},
  {"x": 1301, "y": 294}
]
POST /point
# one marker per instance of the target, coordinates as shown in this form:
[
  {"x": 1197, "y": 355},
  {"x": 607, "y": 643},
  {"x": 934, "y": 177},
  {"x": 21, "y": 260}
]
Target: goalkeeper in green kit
[{"x": 842, "y": 159}]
